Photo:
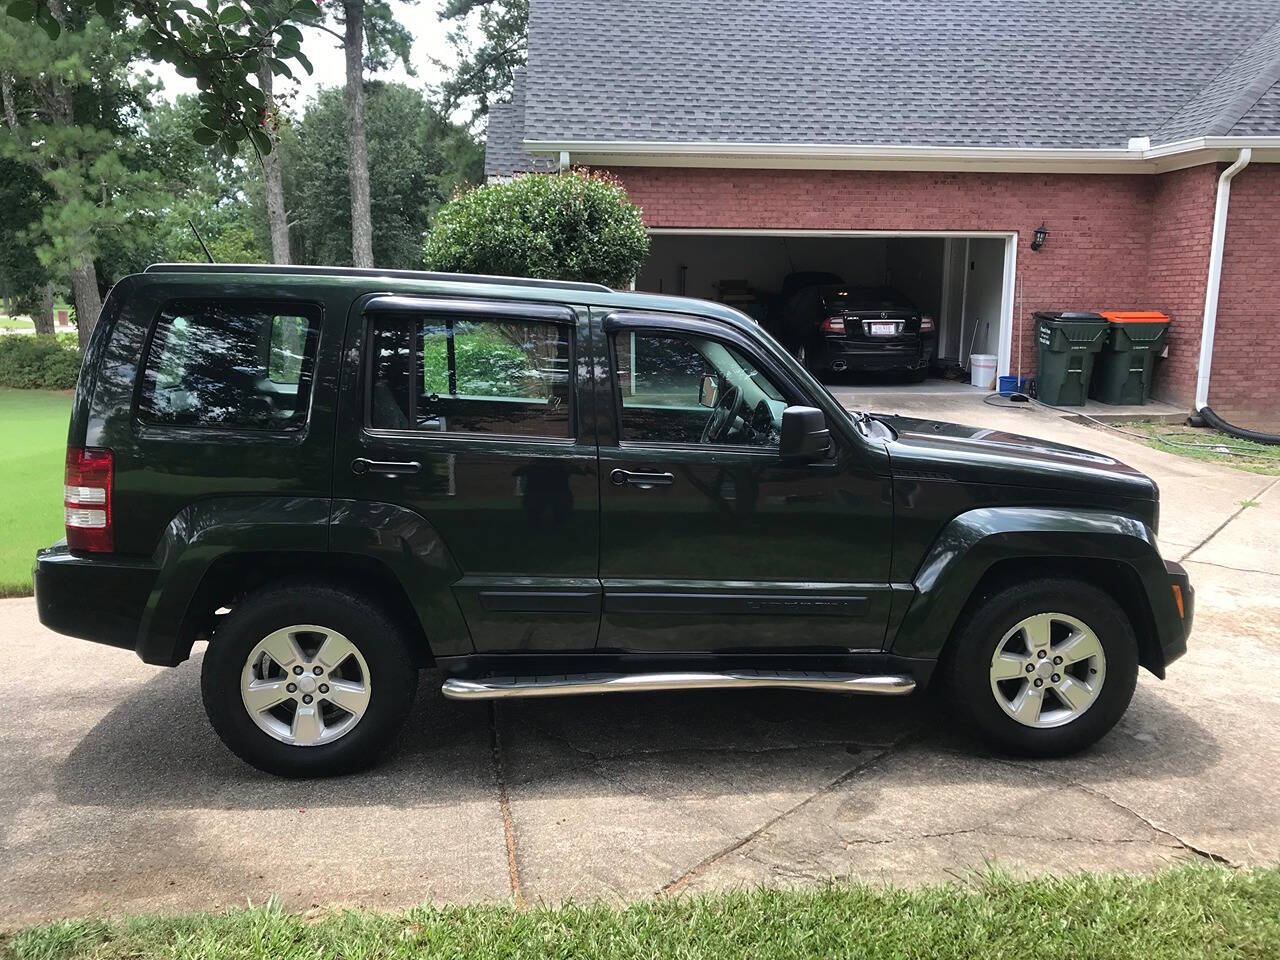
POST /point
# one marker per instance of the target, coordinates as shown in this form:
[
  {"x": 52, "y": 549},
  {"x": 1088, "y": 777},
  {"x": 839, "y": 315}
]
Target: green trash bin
[
  {"x": 1068, "y": 344},
  {"x": 1123, "y": 371}
]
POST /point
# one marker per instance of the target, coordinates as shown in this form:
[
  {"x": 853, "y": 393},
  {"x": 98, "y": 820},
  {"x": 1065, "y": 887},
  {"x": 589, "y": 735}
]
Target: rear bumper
[
  {"x": 102, "y": 599},
  {"x": 839, "y": 353}
]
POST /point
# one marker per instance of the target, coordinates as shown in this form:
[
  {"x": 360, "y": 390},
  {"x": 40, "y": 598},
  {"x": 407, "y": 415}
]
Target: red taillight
[
  {"x": 833, "y": 325},
  {"x": 87, "y": 500},
  {"x": 926, "y": 325}
]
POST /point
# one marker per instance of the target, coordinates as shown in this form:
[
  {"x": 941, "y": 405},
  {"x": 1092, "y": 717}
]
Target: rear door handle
[
  {"x": 387, "y": 468},
  {"x": 645, "y": 481}
]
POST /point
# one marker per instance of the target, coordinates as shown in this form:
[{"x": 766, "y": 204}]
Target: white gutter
[
  {"x": 1139, "y": 156},
  {"x": 1210, "y": 323}
]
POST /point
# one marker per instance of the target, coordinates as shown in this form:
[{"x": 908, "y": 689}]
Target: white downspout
[{"x": 1210, "y": 322}]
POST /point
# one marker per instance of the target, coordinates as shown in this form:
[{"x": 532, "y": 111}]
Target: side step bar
[{"x": 500, "y": 688}]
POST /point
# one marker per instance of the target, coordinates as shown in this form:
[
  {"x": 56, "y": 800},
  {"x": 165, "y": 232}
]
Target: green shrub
[
  {"x": 569, "y": 226},
  {"x": 37, "y": 363}
]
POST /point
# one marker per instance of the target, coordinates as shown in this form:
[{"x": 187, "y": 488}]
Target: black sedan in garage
[{"x": 833, "y": 327}]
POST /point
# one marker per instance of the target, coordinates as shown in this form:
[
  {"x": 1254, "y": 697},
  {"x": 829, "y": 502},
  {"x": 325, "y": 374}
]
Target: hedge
[
  {"x": 37, "y": 363},
  {"x": 569, "y": 226}
]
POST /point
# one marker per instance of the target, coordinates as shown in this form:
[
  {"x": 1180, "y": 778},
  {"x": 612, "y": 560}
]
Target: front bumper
[
  {"x": 1173, "y": 638},
  {"x": 102, "y": 599}
]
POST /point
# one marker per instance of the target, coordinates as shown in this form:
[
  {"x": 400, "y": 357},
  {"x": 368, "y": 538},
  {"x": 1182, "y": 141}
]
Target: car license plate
[{"x": 884, "y": 329}]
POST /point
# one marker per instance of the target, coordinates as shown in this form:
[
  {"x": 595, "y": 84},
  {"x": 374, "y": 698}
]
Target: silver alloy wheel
[
  {"x": 1048, "y": 670},
  {"x": 305, "y": 685}
]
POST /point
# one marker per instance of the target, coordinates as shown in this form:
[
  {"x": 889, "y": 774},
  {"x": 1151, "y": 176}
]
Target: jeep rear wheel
[
  {"x": 1044, "y": 668},
  {"x": 303, "y": 680}
]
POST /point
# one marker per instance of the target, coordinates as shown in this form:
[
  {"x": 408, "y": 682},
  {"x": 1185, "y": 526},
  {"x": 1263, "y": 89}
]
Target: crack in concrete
[
  {"x": 1120, "y": 805},
  {"x": 1004, "y": 835},
  {"x": 674, "y": 886},
  {"x": 1222, "y": 526},
  {"x": 1224, "y": 566},
  {"x": 504, "y": 805}
]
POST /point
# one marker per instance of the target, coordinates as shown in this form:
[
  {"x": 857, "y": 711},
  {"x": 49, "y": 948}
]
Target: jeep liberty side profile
[{"x": 338, "y": 477}]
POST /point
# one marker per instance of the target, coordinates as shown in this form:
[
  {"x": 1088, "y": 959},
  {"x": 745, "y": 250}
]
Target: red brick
[{"x": 1116, "y": 242}]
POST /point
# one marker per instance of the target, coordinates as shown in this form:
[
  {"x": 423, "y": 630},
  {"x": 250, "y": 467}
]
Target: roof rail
[{"x": 281, "y": 270}]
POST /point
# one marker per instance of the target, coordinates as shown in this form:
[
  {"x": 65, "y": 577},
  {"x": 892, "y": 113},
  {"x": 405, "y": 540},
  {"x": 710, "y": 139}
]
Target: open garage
[{"x": 963, "y": 281}]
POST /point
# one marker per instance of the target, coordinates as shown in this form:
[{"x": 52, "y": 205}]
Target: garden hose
[{"x": 1017, "y": 398}]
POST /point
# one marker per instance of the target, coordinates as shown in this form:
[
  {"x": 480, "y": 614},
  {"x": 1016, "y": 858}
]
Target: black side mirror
[{"x": 804, "y": 434}]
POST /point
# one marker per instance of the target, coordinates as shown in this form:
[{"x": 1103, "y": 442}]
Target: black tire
[
  {"x": 918, "y": 376},
  {"x": 967, "y": 665},
  {"x": 393, "y": 677}
]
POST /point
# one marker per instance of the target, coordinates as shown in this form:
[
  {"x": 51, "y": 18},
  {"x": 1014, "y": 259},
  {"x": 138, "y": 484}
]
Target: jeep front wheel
[
  {"x": 306, "y": 680},
  {"x": 1044, "y": 668}
]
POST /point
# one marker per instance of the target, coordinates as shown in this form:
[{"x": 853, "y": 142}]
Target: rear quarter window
[{"x": 230, "y": 364}]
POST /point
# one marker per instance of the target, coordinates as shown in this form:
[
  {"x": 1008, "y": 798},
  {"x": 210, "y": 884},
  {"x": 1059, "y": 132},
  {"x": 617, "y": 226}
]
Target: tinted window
[
  {"x": 458, "y": 375},
  {"x": 230, "y": 364},
  {"x": 682, "y": 389}
]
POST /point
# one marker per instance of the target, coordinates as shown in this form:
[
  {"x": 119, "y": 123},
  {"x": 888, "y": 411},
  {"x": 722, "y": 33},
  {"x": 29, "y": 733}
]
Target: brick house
[{"x": 922, "y": 142}]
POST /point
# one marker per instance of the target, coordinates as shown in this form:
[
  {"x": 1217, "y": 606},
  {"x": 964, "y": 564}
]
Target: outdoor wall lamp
[{"x": 1041, "y": 235}]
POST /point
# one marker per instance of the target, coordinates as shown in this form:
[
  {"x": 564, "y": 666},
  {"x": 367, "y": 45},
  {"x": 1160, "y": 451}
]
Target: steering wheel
[
  {"x": 722, "y": 417},
  {"x": 762, "y": 425}
]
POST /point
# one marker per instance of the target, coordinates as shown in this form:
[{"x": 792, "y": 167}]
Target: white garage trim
[
  {"x": 1137, "y": 157},
  {"x": 1004, "y": 352}
]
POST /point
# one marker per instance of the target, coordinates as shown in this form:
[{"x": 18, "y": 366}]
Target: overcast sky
[{"x": 326, "y": 56}]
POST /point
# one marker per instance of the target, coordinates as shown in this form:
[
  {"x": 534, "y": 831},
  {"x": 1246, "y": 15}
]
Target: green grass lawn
[
  {"x": 16, "y": 323},
  {"x": 1205, "y": 444},
  {"x": 33, "y": 438},
  {"x": 1186, "y": 913}
]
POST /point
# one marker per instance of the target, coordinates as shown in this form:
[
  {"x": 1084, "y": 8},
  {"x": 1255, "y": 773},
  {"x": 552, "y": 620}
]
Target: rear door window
[
  {"x": 230, "y": 364},
  {"x": 472, "y": 375}
]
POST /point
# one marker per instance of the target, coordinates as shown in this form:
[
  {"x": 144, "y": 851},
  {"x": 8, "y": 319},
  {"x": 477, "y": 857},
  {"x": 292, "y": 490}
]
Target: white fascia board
[{"x": 1157, "y": 159}]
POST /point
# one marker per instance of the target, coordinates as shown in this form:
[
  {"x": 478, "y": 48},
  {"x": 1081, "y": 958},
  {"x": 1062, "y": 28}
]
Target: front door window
[{"x": 676, "y": 388}]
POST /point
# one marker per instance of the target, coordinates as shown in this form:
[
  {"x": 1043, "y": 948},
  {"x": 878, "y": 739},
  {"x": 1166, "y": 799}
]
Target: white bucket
[{"x": 982, "y": 370}]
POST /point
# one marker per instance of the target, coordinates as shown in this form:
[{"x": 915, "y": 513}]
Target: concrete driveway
[{"x": 116, "y": 796}]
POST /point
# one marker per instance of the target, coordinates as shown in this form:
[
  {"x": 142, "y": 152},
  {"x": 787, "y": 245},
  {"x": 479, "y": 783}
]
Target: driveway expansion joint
[
  {"x": 1227, "y": 522},
  {"x": 504, "y": 805}
]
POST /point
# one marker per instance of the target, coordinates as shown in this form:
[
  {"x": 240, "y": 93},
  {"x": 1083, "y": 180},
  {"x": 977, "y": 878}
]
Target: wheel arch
[
  {"x": 1113, "y": 577},
  {"x": 234, "y": 576},
  {"x": 984, "y": 550},
  {"x": 214, "y": 551}
]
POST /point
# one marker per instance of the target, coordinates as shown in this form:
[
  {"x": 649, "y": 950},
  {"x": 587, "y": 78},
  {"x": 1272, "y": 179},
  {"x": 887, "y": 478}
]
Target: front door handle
[
  {"x": 645, "y": 481},
  {"x": 387, "y": 468}
]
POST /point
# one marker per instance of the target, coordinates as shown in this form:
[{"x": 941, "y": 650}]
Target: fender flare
[
  {"x": 207, "y": 530},
  {"x": 975, "y": 541}
]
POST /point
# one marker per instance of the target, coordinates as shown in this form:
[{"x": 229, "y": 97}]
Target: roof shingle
[{"x": 1047, "y": 73}]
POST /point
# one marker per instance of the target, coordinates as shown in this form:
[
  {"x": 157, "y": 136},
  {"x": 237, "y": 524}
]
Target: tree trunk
[
  {"x": 44, "y": 316},
  {"x": 358, "y": 150},
  {"x": 84, "y": 288},
  {"x": 277, "y": 215}
]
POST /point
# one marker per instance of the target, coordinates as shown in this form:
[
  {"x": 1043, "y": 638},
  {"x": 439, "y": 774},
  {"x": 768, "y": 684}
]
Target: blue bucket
[{"x": 1008, "y": 386}]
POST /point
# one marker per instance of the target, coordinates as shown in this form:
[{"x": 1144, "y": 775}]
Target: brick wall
[
  {"x": 1099, "y": 225},
  {"x": 1181, "y": 228},
  {"x": 1115, "y": 242},
  {"x": 1245, "y": 383}
]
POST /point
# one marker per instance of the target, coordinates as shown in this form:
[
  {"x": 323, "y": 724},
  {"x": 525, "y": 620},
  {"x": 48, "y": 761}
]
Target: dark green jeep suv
[{"x": 337, "y": 477}]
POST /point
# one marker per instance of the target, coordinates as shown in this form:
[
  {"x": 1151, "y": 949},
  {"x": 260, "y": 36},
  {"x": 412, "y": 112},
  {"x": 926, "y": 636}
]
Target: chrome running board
[{"x": 500, "y": 688}]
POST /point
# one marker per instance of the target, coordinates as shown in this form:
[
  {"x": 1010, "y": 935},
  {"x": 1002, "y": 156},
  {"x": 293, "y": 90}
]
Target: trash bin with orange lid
[{"x": 1122, "y": 374}]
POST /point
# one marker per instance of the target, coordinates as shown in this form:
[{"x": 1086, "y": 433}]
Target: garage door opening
[{"x": 963, "y": 281}]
